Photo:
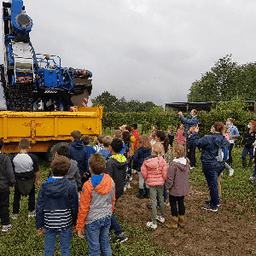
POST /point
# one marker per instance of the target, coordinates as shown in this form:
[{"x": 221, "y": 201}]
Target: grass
[{"x": 22, "y": 239}]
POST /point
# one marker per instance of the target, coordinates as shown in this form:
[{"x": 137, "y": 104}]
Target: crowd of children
[{"x": 85, "y": 182}]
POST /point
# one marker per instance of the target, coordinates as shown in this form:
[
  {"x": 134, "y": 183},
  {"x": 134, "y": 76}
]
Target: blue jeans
[
  {"x": 211, "y": 176},
  {"x": 50, "y": 237},
  {"x": 247, "y": 150},
  {"x": 97, "y": 236}
]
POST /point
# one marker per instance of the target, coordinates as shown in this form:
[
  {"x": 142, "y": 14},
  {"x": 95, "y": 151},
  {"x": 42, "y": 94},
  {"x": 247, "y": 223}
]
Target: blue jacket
[
  {"x": 90, "y": 151},
  {"x": 210, "y": 145},
  {"x": 189, "y": 122},
  {"x": 78, "y": 152},
  {"x": 57, "y": 204},
  {"x": 140, "y": 155}
]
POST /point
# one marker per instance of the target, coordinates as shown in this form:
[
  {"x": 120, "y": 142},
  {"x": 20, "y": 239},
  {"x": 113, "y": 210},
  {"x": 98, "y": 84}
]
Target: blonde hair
[
  {"x": 144, "y": 141},
  {"x": 180, "y": 150},
  {"x": 158, "y": 149}
]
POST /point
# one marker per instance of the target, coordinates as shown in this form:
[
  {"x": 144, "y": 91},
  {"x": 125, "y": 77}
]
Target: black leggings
[{"x": 173, "y": 204}]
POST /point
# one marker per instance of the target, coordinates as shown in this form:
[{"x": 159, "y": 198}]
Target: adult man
[{"x": 189, "y": 122}]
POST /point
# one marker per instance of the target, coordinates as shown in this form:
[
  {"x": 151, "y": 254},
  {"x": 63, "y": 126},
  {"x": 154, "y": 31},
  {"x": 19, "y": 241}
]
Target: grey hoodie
[{"x": 178, "y": 177}]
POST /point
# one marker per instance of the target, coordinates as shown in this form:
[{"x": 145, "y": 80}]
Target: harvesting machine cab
[{"x": 33, "y": 81}]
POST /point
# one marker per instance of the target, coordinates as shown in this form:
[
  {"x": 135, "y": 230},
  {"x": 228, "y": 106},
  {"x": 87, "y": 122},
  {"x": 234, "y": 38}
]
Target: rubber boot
[
  {"x": 146, "y": 195},
  {"x": 140, "y": 195},
  {"x": 174, "y": 223},
  {"x": 244, "y": 163},
  {"x": 181, "y": 221}
]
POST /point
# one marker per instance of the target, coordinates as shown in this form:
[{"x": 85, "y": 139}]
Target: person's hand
[
  {"x": 197, "y": 129},
  {"x": 40, "y": 231},
  {"x": 74, "y": 229},
  {"x": 80, "y": 233},
  {"x": 180, "y": 114},
  {"x": 37, "y": 183}
]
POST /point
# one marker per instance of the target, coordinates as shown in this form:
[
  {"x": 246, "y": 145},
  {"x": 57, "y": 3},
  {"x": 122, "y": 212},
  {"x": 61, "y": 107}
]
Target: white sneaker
[
  {"x": 6, "y": 228},
  {"x": 231, "y": 172},
  {"x": 252, "y": 178},
  {"x": 32, "y": 214},
  {"x": 15, "y": 216},
  {"x": 151, "y": 225},
  {"x": 160, "y": 219},
  {"x": 191, "y": 168}
]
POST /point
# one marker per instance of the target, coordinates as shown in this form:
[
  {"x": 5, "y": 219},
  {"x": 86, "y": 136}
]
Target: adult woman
[
  {"x": 210, "y": 145},
  {"x": 233, "y": 132},
  {"x": 248, "y": 140}
]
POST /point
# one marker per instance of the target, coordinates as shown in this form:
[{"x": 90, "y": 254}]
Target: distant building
[{"x": 206, "y": 106}]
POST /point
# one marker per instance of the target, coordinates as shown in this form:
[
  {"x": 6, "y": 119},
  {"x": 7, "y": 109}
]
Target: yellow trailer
[{"x": 45, "y": 129}]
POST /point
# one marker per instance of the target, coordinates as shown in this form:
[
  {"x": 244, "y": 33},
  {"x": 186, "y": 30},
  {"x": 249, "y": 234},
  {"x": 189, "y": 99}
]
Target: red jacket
[
  {"x": 180, "y": 139},
  {"x": 154, "y": 171}
]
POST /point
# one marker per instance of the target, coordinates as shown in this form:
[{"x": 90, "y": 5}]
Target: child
[
  {"x": 56, "y": 209},
  {"x": 170, "y": 136},
  {"x": 180, "y": 139},
  {"x": 98, "y": 143},
  {"x": 6, "y": 180},
  {"x": 118, "y": 135},
  {"x": 27, "y": 178},
  {"x": 144, "y": 150},
  {"x": 178, "y": 185},
  {"x": 128, "y": 154},
  {"x": 136, "y": 134},
  {"x": 74, "y": 174},
  {"x": 154, "y": 171},
  {"x": 105, "y": 151},
  {"x": 191, "y": 149},
  {"x": 78, "y": 152},
  {"x": 90, "y": 150},
  {"x": 116, "y": 168},
  {"x": 96, "y": 207}
]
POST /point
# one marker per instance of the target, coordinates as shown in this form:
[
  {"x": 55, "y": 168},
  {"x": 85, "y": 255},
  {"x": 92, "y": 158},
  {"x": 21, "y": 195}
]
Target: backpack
[{"x": 223, "y": 155}]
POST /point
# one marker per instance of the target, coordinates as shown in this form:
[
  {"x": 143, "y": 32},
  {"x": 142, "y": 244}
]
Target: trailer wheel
[{"x": 52, "y": 150}]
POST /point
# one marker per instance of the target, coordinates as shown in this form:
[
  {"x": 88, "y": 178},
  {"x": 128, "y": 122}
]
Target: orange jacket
[{"x": 95, "y": 200}]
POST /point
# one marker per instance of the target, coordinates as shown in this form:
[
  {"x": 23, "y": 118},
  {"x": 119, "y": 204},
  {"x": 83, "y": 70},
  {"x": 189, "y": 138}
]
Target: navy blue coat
[
  {"x": 140, "y": 155},
  {"x": 78, "y": 152},
  {"x": 210, "y": 145},
  {"x": 189, "y": 122}
]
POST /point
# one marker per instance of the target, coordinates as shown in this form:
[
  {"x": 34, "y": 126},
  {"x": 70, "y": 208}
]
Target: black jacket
[{"x": 7, "y": 177}]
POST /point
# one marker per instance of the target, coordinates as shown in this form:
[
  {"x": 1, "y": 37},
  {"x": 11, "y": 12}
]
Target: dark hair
[
  {"x": 117, "y": 145},
  {"x": 76, "y": 135},
  {"x": 128, "y": 128},
  {"x": 24, "y": 144},
  {"x": 86, "y": 139},
  {"x": 218, "y": 126},
  {"x": 126, "y": 137},
  {"x": 100, "y": 138},
  {"x": 60, "y": 166},
  {"x": 63, "y": 150},
  {"x": 163, "y": 138},
  {"x": 1, "y": 143},
  {"x": 134, "y": 126},
  {"x": 97, "y": 163}
]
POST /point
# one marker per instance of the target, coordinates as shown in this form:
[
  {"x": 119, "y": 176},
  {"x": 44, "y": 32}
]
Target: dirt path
[{"x": 205, "y": 232}]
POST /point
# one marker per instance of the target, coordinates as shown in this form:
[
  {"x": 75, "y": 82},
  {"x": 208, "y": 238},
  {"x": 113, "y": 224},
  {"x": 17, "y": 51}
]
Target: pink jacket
[
  {"x": 179, "y": 137},
  {"x": 154, "y": 173}
]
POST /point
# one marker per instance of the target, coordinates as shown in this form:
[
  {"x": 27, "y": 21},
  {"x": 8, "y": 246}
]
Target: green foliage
[
  {"x": 110, "y": 103},
  {"x": 225, "y": 80},
  {"x": 236, "y": 109},
  {"x": 147, "y": 119}
]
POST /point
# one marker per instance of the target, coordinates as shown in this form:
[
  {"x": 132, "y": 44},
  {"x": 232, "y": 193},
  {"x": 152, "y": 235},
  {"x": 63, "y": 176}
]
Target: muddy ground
[{"x": 205, "y": 232}]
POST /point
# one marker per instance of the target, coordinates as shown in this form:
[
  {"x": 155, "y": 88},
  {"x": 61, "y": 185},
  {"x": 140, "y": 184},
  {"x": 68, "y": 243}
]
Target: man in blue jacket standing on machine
[{"x": 189, "y": 122}]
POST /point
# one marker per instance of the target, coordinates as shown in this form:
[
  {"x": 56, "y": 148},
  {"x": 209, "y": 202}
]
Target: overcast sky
[{"x": 144, "y": 50}]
